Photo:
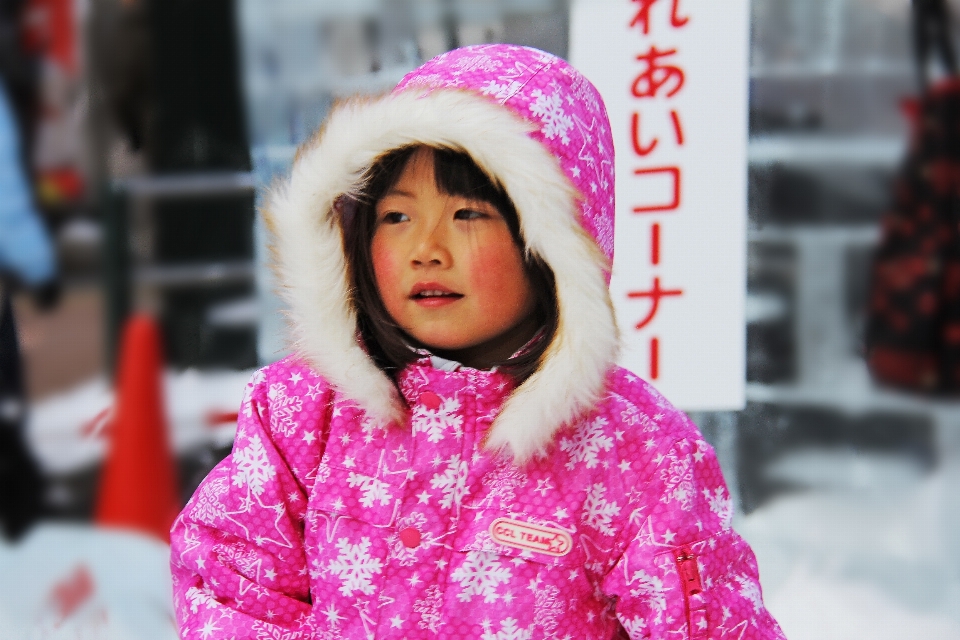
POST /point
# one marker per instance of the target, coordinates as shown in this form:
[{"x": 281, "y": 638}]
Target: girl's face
[{"x": 448, "y": 270}]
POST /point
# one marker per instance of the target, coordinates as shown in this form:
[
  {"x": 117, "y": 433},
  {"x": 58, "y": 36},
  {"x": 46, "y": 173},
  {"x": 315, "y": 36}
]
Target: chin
[
  {"x": 444, "y": 345},
  {"x": 446, "y": 338}
]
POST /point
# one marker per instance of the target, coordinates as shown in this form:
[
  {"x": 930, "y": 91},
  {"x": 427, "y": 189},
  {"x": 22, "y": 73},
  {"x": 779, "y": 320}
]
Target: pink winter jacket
[
  {"x": 323, "y": 525},
  {"x": 579, "y": 504}
]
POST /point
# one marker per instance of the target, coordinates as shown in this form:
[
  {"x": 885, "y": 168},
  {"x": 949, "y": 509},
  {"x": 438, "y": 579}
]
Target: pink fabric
[
  {"x": 297, "y": 534},
  {"x": 568, "y": 111}
]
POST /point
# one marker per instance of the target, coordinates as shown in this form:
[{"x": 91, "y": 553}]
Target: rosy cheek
[
  {"x": 386, "y": 268},
  {"x": 500, "y": 275}
]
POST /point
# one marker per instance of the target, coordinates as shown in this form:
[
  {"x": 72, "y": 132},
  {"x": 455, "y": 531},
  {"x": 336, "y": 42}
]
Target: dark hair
[{"x": 456, "y": 174}]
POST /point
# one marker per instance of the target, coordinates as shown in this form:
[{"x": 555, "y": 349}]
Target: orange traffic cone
[{"x": 137, "y": 484}]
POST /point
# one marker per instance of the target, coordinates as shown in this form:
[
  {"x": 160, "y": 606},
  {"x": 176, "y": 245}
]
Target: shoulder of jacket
[
  {"x": 630, "y": 387},
  {"x": 644, "y": 413},
  {"x": 288, "y": 403},
  {"x": 290, "y": 372}
]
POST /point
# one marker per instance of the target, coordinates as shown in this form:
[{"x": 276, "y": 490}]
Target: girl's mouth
[
  {"x": 435, "y": 293},
  {"x": 430, "y": 294}
]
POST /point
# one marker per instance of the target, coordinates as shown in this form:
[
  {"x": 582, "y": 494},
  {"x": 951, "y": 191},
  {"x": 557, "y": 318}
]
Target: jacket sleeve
[
  {"x": 237, "y": 554},
  {"x": 684, "y": 573}
]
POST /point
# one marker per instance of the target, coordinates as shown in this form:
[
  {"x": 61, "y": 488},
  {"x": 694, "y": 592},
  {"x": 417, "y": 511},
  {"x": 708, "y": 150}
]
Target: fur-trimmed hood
[{"x": 538, "y": 126}]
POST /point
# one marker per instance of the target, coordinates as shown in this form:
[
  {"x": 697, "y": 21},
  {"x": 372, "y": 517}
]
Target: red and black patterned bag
[{"x": 913, "y": 329}]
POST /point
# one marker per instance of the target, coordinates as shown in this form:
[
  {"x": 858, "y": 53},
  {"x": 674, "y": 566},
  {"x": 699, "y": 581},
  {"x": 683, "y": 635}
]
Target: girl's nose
[{"x": 431, "y": 248}]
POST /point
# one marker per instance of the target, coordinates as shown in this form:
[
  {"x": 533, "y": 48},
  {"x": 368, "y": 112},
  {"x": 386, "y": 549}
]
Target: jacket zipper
[{"x": 691, "y": 584}]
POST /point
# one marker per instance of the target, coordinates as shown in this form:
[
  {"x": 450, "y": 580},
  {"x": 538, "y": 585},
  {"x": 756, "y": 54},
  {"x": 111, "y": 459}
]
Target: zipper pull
[{"x": 689, "y": 572}]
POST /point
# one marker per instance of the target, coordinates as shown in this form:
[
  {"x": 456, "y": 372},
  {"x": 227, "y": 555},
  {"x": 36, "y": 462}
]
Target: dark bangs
[{"x": 456, "y": 174}]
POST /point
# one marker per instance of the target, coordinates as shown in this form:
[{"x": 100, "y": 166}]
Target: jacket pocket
[
  {"x": 519, "y": 551},
  {"x": 348, "y": 525},
  {"x": 717, "y": 575},
  {"x": 533, "y": 570}
]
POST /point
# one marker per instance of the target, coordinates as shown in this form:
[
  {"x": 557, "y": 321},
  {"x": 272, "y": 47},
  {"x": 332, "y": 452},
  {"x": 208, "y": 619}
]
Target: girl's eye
[
  {"x": 470, "y": 214},
  {"x": 394, "y": 217}
]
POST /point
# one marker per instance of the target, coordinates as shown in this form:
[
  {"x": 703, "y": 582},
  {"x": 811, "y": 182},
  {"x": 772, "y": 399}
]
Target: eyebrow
[
  {"x": 409, "y": 194},
  {"x": 398, "y": 192}
]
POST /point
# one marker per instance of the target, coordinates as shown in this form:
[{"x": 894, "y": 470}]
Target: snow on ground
[
  {"x": 76, "y": 581},
  {"x": 80, "y": 581},
  {"x": 870, "y": 550}
]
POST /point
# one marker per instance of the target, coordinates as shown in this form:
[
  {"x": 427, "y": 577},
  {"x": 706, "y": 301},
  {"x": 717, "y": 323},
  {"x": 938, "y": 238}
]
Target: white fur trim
[{"x": 311, "y": 264}]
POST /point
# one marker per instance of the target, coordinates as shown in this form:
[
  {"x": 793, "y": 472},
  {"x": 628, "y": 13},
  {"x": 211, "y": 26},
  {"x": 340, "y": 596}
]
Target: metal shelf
[
  {"x": 120, "y": 277},
  {"x": 186, "y": 185},
  {"x": 863, "y": 235},
  {"x": 817, "y": 150},
  {"x": 210, "y": 273},
  {"x": 868, "y": 69}
]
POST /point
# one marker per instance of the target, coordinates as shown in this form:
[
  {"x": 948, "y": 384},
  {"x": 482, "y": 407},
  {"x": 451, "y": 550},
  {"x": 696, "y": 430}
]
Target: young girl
[{"x": 452, "y": 452}]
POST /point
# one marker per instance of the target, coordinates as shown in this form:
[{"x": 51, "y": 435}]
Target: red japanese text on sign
[
  {"x": 654, "y": 358},
  {"x": 655, "y": 294},
  {"x": 660, "y": 76},
  {"x": 656, "y": 74},
  {"x": 655, "y": 243},
  {"x": 673, "y": 203},
  {"x": 642, "y": 149},
  {"x": 642, "y": 17}
]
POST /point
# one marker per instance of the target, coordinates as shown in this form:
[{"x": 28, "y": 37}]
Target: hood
[{"x": 540, "y": 128}]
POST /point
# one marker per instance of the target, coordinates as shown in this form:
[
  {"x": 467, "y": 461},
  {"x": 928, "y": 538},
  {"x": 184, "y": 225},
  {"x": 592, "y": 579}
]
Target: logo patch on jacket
[{"x": 524, "y": 535}]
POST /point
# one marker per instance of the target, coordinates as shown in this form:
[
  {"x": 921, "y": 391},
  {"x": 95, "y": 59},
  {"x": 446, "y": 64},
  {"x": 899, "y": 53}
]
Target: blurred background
[{"x": 147, "y": 129}]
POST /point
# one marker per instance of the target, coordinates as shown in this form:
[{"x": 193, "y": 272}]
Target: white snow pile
[
  {"x": 75, "y": 581},
  {"x": 68, "y": 432},
  {"x": 871, "y": 551}
]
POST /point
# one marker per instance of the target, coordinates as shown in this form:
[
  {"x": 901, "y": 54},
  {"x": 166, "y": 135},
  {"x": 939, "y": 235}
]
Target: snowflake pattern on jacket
[{"x": 300, "y": 532}]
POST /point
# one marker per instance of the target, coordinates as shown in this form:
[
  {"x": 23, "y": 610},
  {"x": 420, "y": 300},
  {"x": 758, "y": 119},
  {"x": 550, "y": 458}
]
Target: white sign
[{"x": 674, "y": 76}]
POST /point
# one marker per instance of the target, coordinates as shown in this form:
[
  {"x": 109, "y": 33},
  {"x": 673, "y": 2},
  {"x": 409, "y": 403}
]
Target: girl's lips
[
  {"x": 431, "y": 294},
  {"x": 432, "y": 302}
]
